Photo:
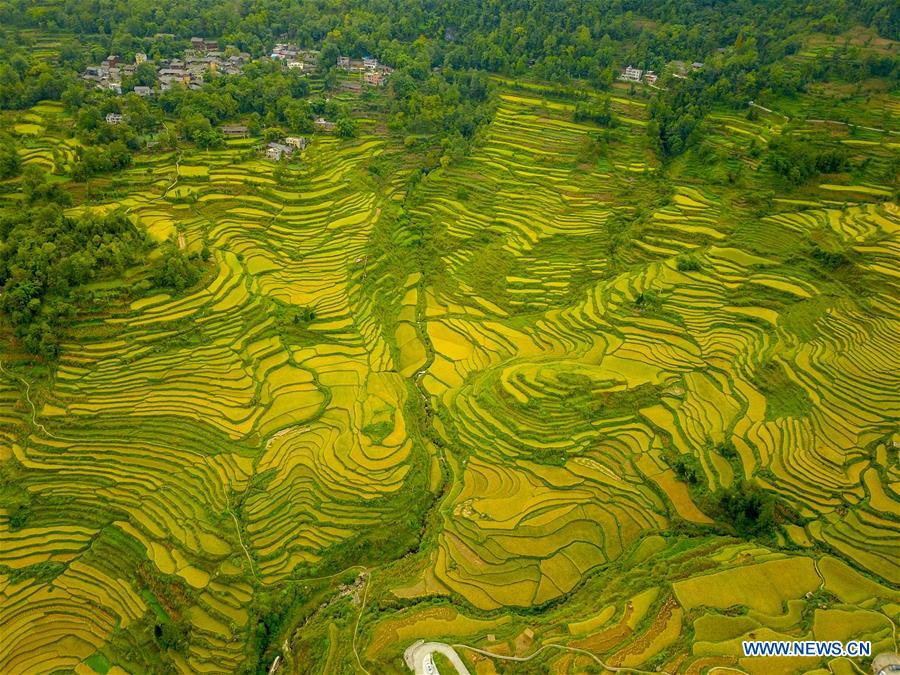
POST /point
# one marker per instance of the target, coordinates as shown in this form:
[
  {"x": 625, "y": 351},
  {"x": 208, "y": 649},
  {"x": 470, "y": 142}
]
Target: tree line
[{"x": 48, "y": 257}]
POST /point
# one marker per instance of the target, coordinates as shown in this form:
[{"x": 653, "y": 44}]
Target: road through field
[{"x": 418, "y": 657}]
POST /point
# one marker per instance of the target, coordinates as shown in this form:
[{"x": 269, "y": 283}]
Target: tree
[
  {"x": 175, "y": 270},
  {"x": 46, "y": 256},
  {"x": 10, "y": 162},
  {"x": 144, "y": 76},
  {"x": 346, "y": 127},
  {"x": 798, "y": 161},
  {"x": 747, "y": 508}
]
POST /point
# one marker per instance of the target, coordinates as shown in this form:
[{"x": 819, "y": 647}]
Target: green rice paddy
[{"x": 524, "y": 342}]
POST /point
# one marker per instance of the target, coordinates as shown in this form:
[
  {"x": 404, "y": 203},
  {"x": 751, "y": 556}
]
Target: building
[
  {"x": 203, "y": 45},
  {"x": 284, "y": 51},
  {"x": 189, "y": 70},
  {"x": 235, "y": 131},
  {"x": 310, "y": 58},
  {"x": 143, "y": 91},
  {"x": 114, "y": 118},
  {"x": 697, "y": 65},
  {"x": 343, "y": 62},
  {"x": 275, "y": 151},
  {"x": 650, "y": 77},
  {"x": 373, "y": 78},
  {"x": 323, "y": 124},
  {"x": 370, "y": 63},
  {"x": 296, "y": 141},
  {"x": 631, "y": 74}
]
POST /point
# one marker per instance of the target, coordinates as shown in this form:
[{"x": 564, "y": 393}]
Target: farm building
[
  {"x": 296, "y": 141},
  {"x": 235, "y": 131},
  {"x": 373, "y": 78},
  {"x": 114, "y": 118},
  {"x": 204, "y": 45},
  {"x": 276, "y": 151},
  {"x": 323, "y": 124}
]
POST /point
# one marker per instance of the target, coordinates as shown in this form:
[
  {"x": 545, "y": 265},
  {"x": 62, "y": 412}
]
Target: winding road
[{"x": 419, "y": 658}]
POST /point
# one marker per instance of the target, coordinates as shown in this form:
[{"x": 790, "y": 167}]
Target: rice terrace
[{"x": 374, "y": 337}]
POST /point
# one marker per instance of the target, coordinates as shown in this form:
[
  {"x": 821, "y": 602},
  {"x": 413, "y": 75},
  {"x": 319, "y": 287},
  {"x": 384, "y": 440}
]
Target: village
[{"x": 204, "y": 56}]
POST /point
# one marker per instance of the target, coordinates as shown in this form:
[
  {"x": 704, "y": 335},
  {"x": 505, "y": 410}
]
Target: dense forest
[
  {"x": 563, "y": 37},
  {"x": 742, "y": 45}
]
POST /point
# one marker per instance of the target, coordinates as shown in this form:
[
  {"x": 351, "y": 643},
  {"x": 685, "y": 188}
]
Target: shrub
[{"x": 747, "y": 508}]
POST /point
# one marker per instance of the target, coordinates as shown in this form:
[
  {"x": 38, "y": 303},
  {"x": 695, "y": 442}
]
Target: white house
[
  {"x": 114, "y": 118},
  {"x": 276, "y": 151},
  {"x": 632, "y": 74}
]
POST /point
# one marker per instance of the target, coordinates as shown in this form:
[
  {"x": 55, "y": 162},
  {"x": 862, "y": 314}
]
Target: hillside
[{"x": 572, "y": 376}]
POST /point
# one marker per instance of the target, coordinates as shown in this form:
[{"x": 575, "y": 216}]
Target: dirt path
[
  {"x": 237, "y": 528},
  {"x": 855, "y": 126},
  {"x": 34, "y": 422},
  {"x": 769, "y": 110},
  {"x": 27, "y": 384},
  {"x": 817, "y": 121},
  {"x": 362, "y": 608}
]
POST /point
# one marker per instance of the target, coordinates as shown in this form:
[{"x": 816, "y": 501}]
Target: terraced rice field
[{"x": 517, "y": 341}]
